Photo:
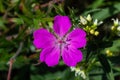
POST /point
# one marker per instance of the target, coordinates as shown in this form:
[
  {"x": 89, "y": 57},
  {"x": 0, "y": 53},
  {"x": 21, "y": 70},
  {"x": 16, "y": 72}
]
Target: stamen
[{"x": 60, "y": 41}]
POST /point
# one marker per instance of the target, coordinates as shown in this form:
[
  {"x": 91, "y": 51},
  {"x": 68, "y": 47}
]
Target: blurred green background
[{"x": 18, "y": 20}]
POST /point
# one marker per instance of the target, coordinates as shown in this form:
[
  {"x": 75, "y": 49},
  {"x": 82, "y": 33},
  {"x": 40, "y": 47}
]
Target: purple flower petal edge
[{"x": 61, "y": 25}]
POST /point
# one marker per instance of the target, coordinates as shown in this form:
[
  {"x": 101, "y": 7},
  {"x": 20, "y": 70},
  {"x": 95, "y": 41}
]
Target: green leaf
[
  {"x": 58, "y": 75},
  {"x": 37, "y": 77},
  {"x": 1, "y": 6},
  {"x": 17, "y": 20},
  {"x": 107, "y": 12},
  {"x": 96, "y": 3},
  {"x": 96, "y": 73},
  {"x": 106, "y": 66},
  {"x": 2, "y": 24},
  {"x": 59, "y": 9},
  {"x": 25, "y": 19},
  {"x": 115, "y": 47},
  {"x": 25, "y": 10},
  {"x": 36, "y": 23}
]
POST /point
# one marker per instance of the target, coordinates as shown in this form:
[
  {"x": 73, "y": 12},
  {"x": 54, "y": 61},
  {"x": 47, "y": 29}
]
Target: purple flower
[{"x": 61, "y": 43}]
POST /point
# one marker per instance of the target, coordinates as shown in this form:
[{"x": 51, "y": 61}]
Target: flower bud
[
  {"x": 116, "y": 22},
  {"x": 96, "y": 33},
  {"x": 92, "y": 31},
  {"x": 113, "y": 28},
  {"x": 108, "y": 52}
]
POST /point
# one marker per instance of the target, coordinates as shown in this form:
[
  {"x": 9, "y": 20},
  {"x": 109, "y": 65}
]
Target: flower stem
[
  {"x": 10, "y": 69},
  {"x": 12, "y": 59}
]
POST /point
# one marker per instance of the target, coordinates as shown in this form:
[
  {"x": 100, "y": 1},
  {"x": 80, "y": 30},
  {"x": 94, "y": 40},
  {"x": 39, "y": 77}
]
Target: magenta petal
[
  {"x": 71, "y": 56},
  {"x": 78, "y": 38},
  {"x": 61, "y": 25},
  {"x": 50, "y": 56},
  {"x": 43, "y": 38}
]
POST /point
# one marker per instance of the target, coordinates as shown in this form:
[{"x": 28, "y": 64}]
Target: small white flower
[
  {"x": 100, "y": 22},
  {"x": 72, "y": 68},
  {"x": 115, "y": 21},
  {"x": 78, "y": 71},
  {"x": 95, "y": 22},
  {"x": 89, "y": 18},
  {"x": 118, "y": 28},
  {"x": 83, "y": 20},
  {"x": 83, "y": 75}
]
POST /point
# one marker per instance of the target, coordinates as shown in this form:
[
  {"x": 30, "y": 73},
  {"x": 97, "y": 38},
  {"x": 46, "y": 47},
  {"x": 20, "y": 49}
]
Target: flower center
[
  {"x": 60, "y": 41},
  {"x": 63, "y": 43}
]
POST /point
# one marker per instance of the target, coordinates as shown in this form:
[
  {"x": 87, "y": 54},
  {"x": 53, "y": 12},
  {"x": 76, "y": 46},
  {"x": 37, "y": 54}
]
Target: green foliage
[
  {"x": 107, "y": 12},
  {"x": 19, "y": 18}
]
